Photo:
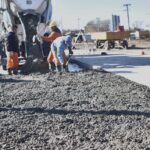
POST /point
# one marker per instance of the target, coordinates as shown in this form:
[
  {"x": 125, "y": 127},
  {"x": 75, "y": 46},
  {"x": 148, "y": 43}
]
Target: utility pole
[
  {"x": 61, "y": 22},
  {"x": 127, "y": 9},
  {"x": 98, "y": 24},
  {"x": 78, "y": 19}
]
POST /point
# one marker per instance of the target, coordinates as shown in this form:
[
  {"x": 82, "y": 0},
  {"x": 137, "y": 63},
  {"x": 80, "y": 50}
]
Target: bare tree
[
  {"x": 137, "y": 25},
  {"x": 105, "y": 25},
  {"x": 97, "y": 25}
]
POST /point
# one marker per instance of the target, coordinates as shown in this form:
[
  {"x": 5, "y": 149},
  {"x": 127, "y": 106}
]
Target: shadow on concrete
[
  {"x": 81, "y": 112},
  {"x": 95, "y": 55},
  {"x": 13, "y": 81},
  {"x": 119, "y": 72},
  {"x": 137, "y": 48}
]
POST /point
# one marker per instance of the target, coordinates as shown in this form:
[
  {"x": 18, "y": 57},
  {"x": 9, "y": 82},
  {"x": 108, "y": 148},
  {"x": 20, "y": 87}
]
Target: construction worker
[
  {"x": 12, "y": 50},
  {"x": 54, "y": 34},
  {"x": 57, "y": 48}
]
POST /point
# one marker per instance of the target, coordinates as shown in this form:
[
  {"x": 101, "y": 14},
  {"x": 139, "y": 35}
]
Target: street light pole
[
  {"x": 127, "y": 9},
  {"x": 78, "y": 19}
]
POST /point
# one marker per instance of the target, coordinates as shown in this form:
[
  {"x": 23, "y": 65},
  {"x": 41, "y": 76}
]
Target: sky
[{"x": 74, "y": 14}]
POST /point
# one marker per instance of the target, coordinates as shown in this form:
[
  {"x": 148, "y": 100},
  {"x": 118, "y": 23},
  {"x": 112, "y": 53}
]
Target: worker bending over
[
  {"x": 57, "y": 48},
  {"x": 54, "y": 34},
  {"x": 12, "y": 50}
]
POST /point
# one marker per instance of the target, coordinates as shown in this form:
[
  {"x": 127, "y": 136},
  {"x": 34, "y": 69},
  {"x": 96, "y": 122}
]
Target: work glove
[{"x": 70, "y": 51}]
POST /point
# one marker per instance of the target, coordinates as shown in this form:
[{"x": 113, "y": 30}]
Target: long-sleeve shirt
[
  {"x": 54, "y": 34},
  {"x": 12, "y": 44},
  {"x": 60, "y": 44}
]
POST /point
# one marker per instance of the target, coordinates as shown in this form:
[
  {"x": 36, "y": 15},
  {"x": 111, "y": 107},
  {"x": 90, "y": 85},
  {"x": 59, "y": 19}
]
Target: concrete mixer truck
[{"x": 31, "y": 17}]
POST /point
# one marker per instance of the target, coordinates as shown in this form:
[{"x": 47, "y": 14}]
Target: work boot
[
  {"x": 52, "y": 67},
  {"x": 15, "y": 71},
  {"x": 59, "y": 68},
  {"x": 65, "y": 67},
  {"x": 9, "y": 72}
]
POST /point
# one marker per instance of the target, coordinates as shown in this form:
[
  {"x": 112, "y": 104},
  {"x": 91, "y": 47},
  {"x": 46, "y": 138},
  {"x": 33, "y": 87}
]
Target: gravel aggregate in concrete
[{"x": 73, "y": 111}]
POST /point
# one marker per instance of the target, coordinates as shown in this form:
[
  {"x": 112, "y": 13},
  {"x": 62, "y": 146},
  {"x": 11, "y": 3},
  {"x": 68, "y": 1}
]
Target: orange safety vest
[
  {"x": 51, "y": 37},
  {"x": 12, "y": 61}
]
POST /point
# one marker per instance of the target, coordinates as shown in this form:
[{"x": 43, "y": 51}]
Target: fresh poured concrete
[{"x": 130, "y": 64}]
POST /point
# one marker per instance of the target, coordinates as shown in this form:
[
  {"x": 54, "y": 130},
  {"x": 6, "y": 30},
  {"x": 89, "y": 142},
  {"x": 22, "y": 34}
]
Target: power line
[{"x": 128, "y": 17}]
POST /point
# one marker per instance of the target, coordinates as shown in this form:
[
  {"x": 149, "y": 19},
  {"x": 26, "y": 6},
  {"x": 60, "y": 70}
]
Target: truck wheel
[
  {"x": 97, "y": 43},
  {"x": 125, "y": 44}
]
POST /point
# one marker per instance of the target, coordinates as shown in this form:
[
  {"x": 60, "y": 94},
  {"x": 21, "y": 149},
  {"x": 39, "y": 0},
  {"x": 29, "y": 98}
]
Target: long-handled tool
[
  {"x": 66, "y": 65},
  {"x": 69, "y": 57}
]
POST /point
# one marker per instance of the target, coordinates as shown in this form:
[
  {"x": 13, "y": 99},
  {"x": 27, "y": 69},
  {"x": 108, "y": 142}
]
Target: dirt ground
[
  {"x": 133, "y": 44},
  {"x": 73, "y": 111},
  {"x": 140, "y": 43}
]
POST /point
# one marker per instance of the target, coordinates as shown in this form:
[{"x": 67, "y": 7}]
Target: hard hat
[{"x": 52, "y": 24}]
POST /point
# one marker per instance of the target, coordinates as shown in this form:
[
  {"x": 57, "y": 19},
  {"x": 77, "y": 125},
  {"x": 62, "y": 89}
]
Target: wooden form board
[{"x": 110, "y": 35}]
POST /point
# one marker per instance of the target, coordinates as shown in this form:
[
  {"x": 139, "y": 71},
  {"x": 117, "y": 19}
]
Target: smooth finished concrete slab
[{"x": 129, "y": 64}]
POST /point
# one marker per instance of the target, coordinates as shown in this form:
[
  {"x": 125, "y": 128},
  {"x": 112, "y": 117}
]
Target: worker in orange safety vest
[
  {"x": 12, "y": 50},
  {"x": 57, "y": 48},
  {"x": 54, "y": 34}
]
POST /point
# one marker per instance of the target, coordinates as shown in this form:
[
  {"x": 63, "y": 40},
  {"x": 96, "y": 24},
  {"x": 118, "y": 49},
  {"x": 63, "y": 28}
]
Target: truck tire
[
  {"x": 97, "y": 43},
  {"x": 125, "y": 44}
]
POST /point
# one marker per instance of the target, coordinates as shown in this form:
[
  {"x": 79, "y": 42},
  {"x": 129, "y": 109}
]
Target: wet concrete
[
  {"x": 83, "y": 110},
  {"x": 74, "y": 68}
]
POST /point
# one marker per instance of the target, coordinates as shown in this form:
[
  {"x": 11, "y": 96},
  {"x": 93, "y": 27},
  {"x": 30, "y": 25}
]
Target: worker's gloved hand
[{"x": 70, "y": 50}]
